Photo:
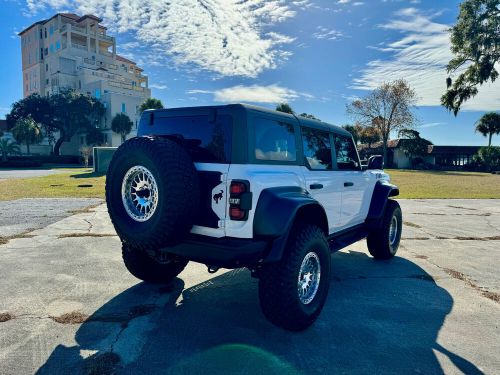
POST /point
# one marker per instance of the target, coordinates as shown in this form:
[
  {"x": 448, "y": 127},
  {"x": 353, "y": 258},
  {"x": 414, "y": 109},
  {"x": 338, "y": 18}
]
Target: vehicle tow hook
[{"x": 212, "y": 269}]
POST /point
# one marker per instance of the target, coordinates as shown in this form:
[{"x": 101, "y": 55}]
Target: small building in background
[
  {"x": 72, "y": 51},
  {"x": 440, "y": 157}
]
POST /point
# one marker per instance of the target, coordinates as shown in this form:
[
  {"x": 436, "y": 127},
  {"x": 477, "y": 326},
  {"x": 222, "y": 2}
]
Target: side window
[
  {"x": 317, "y": 149},
  {"x": 347, "y": 157},
  {"x": 274, "y": 141}
]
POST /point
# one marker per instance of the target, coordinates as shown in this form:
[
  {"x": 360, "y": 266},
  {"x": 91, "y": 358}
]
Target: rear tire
[
  {"x": 383, "y": 242},
  {"x": 144, "y": 267},
  {"x": 293, "y": 291}
]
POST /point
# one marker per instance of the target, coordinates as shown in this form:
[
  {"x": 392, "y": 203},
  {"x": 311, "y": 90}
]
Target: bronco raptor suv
[{"x": 240, "y": 186}]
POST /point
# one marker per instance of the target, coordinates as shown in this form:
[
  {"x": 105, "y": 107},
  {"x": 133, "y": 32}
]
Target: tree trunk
[
  {"x": 28, "y": 147},
  {"x": 57, "y": 145},
  {"x": 489, "y": 142},
  {"x": 384, "y": 147}
]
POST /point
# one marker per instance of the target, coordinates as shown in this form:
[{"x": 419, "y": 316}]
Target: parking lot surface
[{"x": 68, "y": 305}]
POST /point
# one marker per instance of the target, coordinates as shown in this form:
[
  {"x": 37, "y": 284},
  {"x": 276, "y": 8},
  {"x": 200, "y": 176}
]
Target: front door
[{"x": 354, "y": 182}]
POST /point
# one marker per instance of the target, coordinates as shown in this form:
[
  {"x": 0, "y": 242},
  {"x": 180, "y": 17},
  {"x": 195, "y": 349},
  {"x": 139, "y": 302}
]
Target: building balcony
[
  {"x": 79, "y": 46},
  {"x": 82, "y": 30}
]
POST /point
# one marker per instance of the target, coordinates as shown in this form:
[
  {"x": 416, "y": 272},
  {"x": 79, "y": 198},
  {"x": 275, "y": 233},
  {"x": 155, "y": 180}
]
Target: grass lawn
[
  {"x": 82, "y": 183},
  {"x": 439, "y": 184},
  {"x": 77, "y": 182}
]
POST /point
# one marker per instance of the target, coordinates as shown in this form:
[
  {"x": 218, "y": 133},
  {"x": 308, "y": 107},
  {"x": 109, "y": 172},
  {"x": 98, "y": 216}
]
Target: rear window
[
  {"x": 208, "y": 142},
  {"x": 274, "y": 140}
]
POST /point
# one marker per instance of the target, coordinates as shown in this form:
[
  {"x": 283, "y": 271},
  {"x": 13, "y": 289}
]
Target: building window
[
  {"x": 58, "y": 45},
  {"x": 41, "y": 34},
  {"x": 47, "y": 81},
  {"x": 41, "y": 53},
  {"x": 124, "y": 108},
  {"x": 46, "y": 51},
  {"x": 45, "y": 33},
  {"x": 51, "y": 48},
  {"x": 46, "y": 67},
  {"x": 79, "y": 84},
  {"x": 51, "y": 30},
  {"x": 97, "y": 93}
]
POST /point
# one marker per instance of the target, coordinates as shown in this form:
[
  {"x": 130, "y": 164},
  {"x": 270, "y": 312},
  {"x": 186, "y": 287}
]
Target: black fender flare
[
  {"x": 276, "y": 212},
  {"x": 381, "y": 193}
]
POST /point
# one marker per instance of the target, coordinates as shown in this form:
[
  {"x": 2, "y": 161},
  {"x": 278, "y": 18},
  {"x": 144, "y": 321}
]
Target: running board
[{"x": 338, "y": 241}]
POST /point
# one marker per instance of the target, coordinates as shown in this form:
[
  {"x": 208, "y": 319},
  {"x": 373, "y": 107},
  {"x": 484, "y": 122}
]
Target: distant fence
[{"x": 102, "y": 158}]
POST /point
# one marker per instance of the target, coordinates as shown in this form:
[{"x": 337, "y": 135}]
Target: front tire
[
  {"x": 383, "y": 243},
  {"x": 151, "y": 269},
  {"x": 293, "y": 291}
]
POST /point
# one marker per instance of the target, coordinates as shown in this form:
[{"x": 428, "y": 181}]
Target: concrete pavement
[{"x": 434, "y": 309}]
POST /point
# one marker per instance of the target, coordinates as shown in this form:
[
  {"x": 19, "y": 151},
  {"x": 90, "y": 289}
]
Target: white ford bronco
[{"x": 240, "y": 186}]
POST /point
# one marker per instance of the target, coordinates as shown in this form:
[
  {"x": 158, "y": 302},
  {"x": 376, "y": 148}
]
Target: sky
[{"x": 317, "y": 55}]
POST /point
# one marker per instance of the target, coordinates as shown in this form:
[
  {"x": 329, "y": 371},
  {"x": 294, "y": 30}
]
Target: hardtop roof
[{"x": 248, "y": 107}]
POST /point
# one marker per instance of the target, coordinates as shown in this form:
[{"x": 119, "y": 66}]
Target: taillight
[{"x": 240, "y": 200}]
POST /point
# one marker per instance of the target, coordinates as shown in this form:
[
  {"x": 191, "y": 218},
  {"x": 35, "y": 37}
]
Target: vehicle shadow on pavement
[{"x": 380, "y": 317}]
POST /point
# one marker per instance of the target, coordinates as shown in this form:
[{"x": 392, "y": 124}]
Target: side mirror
[{"x": 375, "y": 162}]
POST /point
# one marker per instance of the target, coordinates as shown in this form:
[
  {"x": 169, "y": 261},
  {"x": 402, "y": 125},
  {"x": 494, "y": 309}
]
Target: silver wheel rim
[
  {"x": 139, "y": 193},
  {"x": 309, "y": 277},
  {"x": 393, "y": 230}
]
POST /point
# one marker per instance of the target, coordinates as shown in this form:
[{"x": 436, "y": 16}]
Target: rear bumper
[{"x": 225, "y": 252}]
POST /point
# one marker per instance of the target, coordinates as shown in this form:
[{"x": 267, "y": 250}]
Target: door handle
[
  {"x": 316, "y": 186},
  {"x": 346, "y": 184}
]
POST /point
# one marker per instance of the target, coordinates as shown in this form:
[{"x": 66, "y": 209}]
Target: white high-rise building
[{"x": 69, "y": 51}]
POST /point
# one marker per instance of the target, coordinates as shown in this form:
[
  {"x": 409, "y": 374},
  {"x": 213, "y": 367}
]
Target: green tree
[
  {"x": 475, "y": 44},
  {"x": 94, "y": 136},
  {"x": 488, "y": 125},
  {"x": 151, "y": 103},
  {"x": 308, "y": 115},
  {"x": 122, "y": 125},
  {"x": 74, "y": 112},
  {"x": 355, "y": 131},
  {"x": 413, "y": 145},
  {"x": 489, "y": 157},
  {"x": 387, "y": 108},
  {"x": 284, "y": 107},
  {"x": 27, "y": 131},
  {"x": 369, "y": 135},
  {"x": 35, "y": 106},
  {"x": 7, "y": 147}
]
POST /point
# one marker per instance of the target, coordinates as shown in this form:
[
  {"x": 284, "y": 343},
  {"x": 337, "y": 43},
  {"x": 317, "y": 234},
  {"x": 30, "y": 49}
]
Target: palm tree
[
  {"x": 8, "y": 147},
  {"x": 28, "y": 131},
  {"x": 488, "y": 125},
  {"x": 122, "y": 125},
  {"x": 151, "y": 103}
]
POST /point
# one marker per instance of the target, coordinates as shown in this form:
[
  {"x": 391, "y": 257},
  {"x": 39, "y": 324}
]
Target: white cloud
[
  {"x": 328, "y": 34},
  {"x": 158, "y": 86},
  {"x": 420, "y": 56},
  {"x": 229, "y": 37},
  {"x": 254, "y": 94},
  {"x": 432, "y": 124}
]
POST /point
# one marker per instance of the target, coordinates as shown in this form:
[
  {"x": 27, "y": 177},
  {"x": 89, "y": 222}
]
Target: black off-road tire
[
  {"x": 379, "y": 241},
  {"x": 178, "y": 192},
  {"x": 278, "y": 284},
  {"x": 144, "y": 267}
]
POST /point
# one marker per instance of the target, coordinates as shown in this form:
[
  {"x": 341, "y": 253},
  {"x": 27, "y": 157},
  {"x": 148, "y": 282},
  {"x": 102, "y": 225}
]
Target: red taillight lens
[
  {"x": 237, "y": 188},
  {"x": 236, "y": 213}
]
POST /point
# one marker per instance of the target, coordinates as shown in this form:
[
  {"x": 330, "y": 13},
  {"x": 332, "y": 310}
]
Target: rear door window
[
  {"x": 274, "y": 140},
  {"x": 317, "y": 149}
]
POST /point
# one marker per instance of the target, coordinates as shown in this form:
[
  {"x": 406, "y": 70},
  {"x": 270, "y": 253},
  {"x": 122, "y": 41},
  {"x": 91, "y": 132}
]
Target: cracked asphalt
[{"x": 68, "y": 305}]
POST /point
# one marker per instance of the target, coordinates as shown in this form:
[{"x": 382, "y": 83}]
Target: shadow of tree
[
  {"x": 87, "y": 175},
  {"x": 380, "y": 317}
]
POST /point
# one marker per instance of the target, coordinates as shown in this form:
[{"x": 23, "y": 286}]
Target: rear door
[
  {"x": 353, "y": 180},
  {"x": 320, "y": 177}
]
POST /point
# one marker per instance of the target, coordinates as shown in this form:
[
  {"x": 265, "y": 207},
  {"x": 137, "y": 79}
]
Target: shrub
[{"x": 489, "y": 157}]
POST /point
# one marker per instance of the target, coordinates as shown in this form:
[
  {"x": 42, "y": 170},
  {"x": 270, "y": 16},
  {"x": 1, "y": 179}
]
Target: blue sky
[{"x": 316, "y": 55}]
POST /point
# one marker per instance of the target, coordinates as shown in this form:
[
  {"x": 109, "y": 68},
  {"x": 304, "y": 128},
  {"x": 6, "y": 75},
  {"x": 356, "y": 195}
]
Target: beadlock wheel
[
  {"x": 139, "y": 193},
  {"x": 309, "y": 278}
]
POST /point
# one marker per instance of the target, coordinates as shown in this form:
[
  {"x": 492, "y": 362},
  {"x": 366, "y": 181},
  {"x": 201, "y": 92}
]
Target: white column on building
[
  {"x": 114, "y": 48},
  {"x": 68, "y": 34}
]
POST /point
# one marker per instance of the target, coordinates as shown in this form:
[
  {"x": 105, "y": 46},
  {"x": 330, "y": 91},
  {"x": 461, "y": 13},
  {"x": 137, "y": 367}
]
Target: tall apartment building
[{"x": 69, "y": 51}]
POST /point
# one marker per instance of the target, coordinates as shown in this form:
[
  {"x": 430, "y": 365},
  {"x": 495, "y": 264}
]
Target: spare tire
[{"x": 152, "y": 192}]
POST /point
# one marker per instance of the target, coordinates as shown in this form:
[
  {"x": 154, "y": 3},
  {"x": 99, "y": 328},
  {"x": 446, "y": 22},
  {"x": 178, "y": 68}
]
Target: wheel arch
[
  {"x": 278, "y": 209},
  {"x": 381, "y": 193}
]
